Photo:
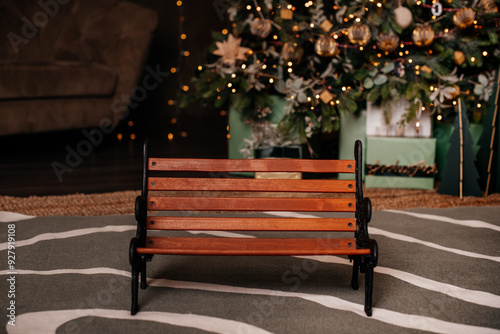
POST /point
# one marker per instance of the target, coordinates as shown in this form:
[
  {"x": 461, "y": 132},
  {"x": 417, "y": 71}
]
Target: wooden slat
[
  {"x": 250, "y": 224},
  {"x": 250, "y": 246},
  {"x": 214, "y": 184},
  {"x": 251, "y": 204},
  {"x": 252, "y": 165}
]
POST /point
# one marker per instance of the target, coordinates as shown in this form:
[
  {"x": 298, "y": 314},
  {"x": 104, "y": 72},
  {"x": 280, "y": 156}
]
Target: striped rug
[{"x": 438, "y": 272}]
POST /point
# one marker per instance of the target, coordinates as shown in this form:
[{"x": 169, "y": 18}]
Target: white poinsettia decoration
[
  {"x": 231, "y": 50},
  {"x": 484, "y": 88}
]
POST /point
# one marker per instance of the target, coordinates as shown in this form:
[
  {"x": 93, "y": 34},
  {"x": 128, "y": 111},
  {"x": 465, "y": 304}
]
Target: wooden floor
[{"x": 67, "y": 163}]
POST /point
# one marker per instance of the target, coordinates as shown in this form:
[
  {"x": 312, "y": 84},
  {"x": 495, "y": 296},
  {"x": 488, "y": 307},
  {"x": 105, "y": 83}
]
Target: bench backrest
[{"x": 186, "y": 193}]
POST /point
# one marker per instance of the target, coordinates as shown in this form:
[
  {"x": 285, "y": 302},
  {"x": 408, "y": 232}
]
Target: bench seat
[{"x": 250, "y": 246}]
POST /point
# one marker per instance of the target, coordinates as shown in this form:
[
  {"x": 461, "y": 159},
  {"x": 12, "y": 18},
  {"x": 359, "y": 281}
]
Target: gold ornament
[
  {"x": 260, "y": 28},
  {"x": 464, "y": 17},
  {"x": 291, "y": 53},
  {"x": 423, "y": 35},
  {"x": 387, "y": 42},
  {"x": 403, "y": 17},
  {"x": 286, "y": 14},
  {"x": 359, "y": 33},
  {"x": 231, "y": 50},
  {"x": 326, "y": 96},
  {"x": 326, "y": 25},
  {"x": 326, "y": 46},
  {"x": 458, "y": 57},
  {"x": 488, "y": 6},
  {"x": 426, "y": 69}
]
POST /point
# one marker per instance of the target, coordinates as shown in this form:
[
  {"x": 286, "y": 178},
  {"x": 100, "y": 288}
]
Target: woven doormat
[{"x": 123, "y": 202}]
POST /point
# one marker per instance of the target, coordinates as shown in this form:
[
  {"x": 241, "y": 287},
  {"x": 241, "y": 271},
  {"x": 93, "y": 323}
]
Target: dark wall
[{"x": 155, "y": 114}]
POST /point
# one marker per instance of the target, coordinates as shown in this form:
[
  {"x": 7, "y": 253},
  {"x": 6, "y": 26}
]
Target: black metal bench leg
[
  {"x": 143, "y": 273},
  {"x": 368, "y": 289},
  {"x": 355, "y": 272},
  {"x": 135, "y": 262},
  {"x": 135, "y": 288}
]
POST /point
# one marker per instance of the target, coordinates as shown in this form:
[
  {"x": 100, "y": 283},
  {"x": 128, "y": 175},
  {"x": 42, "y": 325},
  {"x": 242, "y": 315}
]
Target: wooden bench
[{"x": 150, "y": 215}]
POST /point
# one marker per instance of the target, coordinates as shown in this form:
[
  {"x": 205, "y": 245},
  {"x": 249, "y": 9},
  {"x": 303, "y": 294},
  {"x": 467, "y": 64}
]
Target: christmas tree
[
  {"x": 331, "y": 57},
  {"x": 460, "y": 177},
  {"x": 488, "y": 159}
]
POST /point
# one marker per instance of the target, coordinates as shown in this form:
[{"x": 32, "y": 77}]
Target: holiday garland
[{"x": 327, "y": 58}]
